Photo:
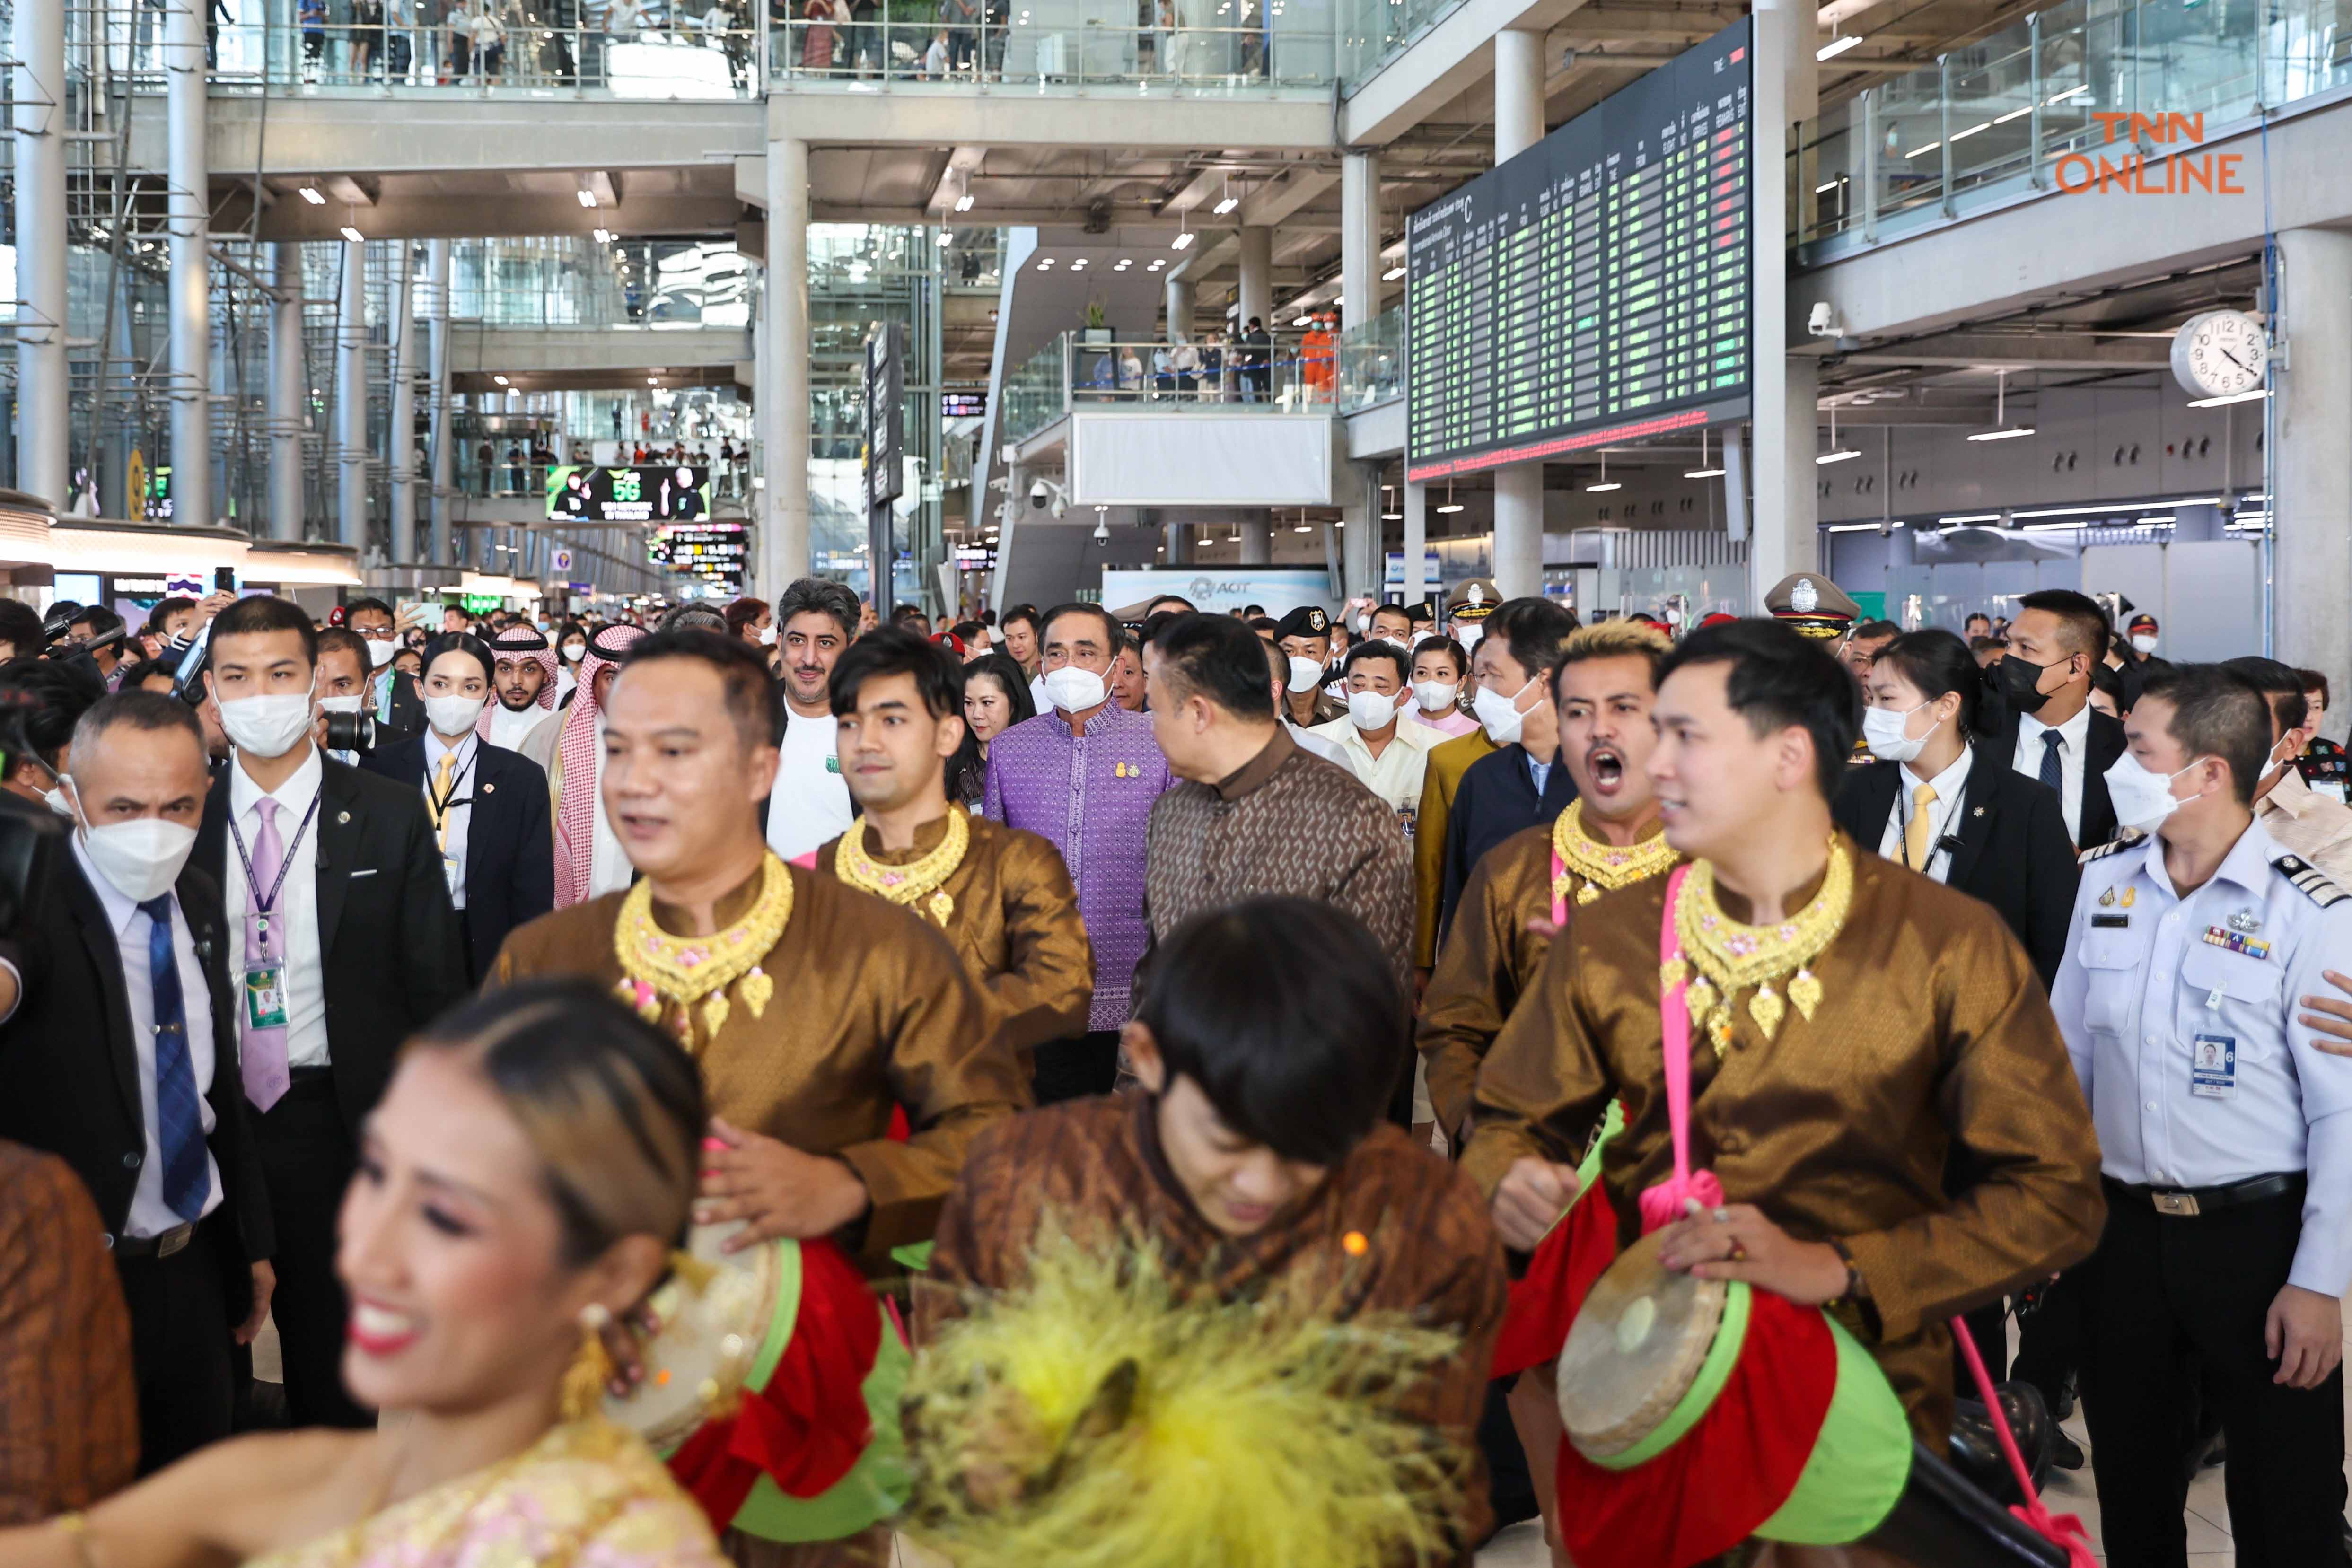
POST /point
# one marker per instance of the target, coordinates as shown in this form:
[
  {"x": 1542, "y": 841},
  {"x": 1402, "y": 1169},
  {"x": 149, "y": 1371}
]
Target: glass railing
[
  {"x": 499, "y": 477},
  {"x": 1373, "y": 32},
  {"x": 1285, "y": 376},
  {"x": 1372, "y": 360},
  {"x": 1011, "y": 51},
  {"x": 2043, "y": 101}
]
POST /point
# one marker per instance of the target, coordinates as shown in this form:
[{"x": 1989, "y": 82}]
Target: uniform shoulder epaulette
[
  {"x": 2126, "y": 839},
  {"x": 2310, "y": 880}
]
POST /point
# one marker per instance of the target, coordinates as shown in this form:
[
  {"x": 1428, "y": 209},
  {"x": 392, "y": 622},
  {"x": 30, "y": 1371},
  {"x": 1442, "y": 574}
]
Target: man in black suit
[
  {"x": 118, "y": 1053},
  {"x": 488, "y": 805},
  {"x": 1522, "y": 784},
  {"x": 340, "y": 933},
  {"x": 2049, "y": 731},
  {"x": 398, "y": 709}
]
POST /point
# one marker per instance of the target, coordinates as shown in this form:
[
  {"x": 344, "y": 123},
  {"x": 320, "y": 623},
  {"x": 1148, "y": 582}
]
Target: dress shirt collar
[
  {"x": 119, "y": 906},
  {"x": 928, "y": 837},
  {"x": 295, "y": 795},
  {"x": 1252, "y": 774},
  {"x": 2075, "y": 732},
  {"x": 2290, "y": 795},
  {"x": 1948, "y": 785},
  {"x": 2248, "y": 865},
  {"x": 434, "y": 747}
]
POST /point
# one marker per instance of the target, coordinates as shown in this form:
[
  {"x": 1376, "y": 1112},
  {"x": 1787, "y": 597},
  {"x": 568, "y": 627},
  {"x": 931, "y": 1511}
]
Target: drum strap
[
  {"x": 2063, "y": 1531},
  {"x": 1674, "y": 1198}
]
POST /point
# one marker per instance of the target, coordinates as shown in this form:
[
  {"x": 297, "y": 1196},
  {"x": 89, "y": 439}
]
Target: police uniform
[
  {"x": 2226, "y": 1144},
  {"x": 1814, "y": 607},
  {"x": 1309, "y": 621}
]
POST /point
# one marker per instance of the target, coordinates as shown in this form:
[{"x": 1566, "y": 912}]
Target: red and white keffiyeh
[
  {"x": 576, "y": 807},
  {"x": 516, "y": 640}
]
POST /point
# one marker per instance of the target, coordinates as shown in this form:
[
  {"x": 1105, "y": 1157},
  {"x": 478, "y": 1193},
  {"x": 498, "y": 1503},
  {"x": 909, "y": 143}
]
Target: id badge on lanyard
[{"x": 265, "y": 994}]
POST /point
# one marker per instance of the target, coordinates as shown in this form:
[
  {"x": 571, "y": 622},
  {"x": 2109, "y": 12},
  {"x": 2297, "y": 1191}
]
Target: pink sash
[{"x": 1670, "y": 1199}]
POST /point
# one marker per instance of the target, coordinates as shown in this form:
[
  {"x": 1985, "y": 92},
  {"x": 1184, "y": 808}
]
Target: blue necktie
[
  {"x": 2052, "y": 773},
  {"x": 179, "y": 1127}
]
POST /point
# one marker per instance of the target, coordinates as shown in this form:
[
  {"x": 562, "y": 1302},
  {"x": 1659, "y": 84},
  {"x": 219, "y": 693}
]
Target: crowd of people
[{"x": 444, "y": 1003}]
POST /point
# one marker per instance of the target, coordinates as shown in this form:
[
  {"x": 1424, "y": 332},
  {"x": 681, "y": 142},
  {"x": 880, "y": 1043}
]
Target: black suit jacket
[
  {"x": 70, "y": 1071},
  {"x": 1494, "y": 799},
  {"x": 510, "y": 842},
  {"x": 2012, "y": 848},
  {"x": 2101, "y": 747},
  {"x": 386, "y": 931}
]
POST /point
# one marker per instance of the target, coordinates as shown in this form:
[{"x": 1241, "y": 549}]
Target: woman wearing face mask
[
  {"x": 1932, "y": 801},
  {"x": 571, "y": 647},
  {"x": 47, "y": 697},
  {"x": 1438, "y": 666},
  {"x": 753, "y": 621},
  {"x": 521, "y": 1183},
  {"x": 488, "y": 805}
]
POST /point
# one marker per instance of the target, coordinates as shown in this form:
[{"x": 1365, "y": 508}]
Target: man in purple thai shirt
[{"x": 1084, "y": 774}]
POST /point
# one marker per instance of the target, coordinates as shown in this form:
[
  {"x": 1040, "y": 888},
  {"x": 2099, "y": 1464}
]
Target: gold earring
[{"x": 591, "y": 1369}]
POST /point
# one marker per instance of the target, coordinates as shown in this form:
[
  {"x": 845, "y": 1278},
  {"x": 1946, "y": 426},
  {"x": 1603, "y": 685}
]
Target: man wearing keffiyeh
[
  {"x": 525, "y": 684},
  {"x": 588, "y": 856}
]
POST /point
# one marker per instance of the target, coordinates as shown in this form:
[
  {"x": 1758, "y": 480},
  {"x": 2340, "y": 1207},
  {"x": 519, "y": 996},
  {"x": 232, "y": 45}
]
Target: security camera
[
  {"x": 1102, "y": 529},
  {"x": 1822, "y": 322},
  {"x": 1040, "y": 493},
  {"x": 1060, "y": 508}
]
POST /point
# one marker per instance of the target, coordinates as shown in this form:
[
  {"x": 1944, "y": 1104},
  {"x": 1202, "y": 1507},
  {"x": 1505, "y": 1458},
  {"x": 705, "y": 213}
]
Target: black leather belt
[
  {"x": 173, "y": 1241},
  {"x": 2188, "y": 1202}
]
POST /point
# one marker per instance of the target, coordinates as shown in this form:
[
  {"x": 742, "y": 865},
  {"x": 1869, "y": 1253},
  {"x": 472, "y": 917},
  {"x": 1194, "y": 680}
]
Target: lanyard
[
  {"x": 263, "y": 906},
  {"x": 441, "y": 805}
]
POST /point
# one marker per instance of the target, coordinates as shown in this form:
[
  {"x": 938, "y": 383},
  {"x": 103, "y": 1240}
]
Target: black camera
[{"x": 351, "y": 732}]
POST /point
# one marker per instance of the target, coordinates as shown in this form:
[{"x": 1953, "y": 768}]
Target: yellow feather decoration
[{"x": 1095, "y": 1419}]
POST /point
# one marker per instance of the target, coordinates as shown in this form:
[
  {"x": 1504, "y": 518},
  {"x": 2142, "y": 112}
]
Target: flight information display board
[{"x": 1593, "y": 288}]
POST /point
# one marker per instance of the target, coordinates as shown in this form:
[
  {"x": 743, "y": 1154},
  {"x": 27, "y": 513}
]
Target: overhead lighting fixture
[
  {"x": 2256, "y": 396},
  {"x": 1705, "y": 470},
  {"x": 2001, "y": 429},
  {"x": 964, "y": 203},
  {"x": 1451, "y": 506},
  {"x": 1080, "y": 264},
  {"x": 602, "y": 236},
  {"x": 1836, "y": 453},
  {"x": 1228, "y": 202},
  {"x": 353, "y": 234},
  {"x": 1156, "y": 264},
  {"x": 1605, "y": 482},
  {"x": 311, "y": 194},
  {"x": 1303, "y": 321},
  {"x": 653, "y": 381},
  {"x": 500, "y": 380},
  {"x": 2070, "y": 92},
  {"x": 1392, "y": 516},
  {"x": 1392, "y": 274},
  {"x": 1181, "y": 242},
  {"x": 1969, "y": 518},
  {"x": 1837, "y": 46},
  {"x": 587, "y": 198}
]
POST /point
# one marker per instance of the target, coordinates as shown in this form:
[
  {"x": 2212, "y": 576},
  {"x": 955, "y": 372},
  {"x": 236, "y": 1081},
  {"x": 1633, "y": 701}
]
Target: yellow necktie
[
  {"x": 439, "y": 796},
  {"x": 1918, "y": 843}
]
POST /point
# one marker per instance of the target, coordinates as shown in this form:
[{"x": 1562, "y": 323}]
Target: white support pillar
[
  {"x": 1416, "y": 544},
  {"x": 1361, "y": 555},
  {"x": 1518, "y": 491},
  {"x": 189, "y": 215},
  {"x": 1257, "y": 541},
  {"x": 2311, "y": 501},
  {"x": 38, "y": 43},
  {"x": 1256, "y": 287},
  {"x": 1783, "y": 533},
  {"x": 1176, "y": 539},
  {"x": 784, "y": 512},
  {"x": 1518, "y": 92},
  {"x": 400, "y": 441},
  {"x": 1181, "y": 293},
  {"x": 1359, "y": 238},
  {"x": 350, "y": 399},
  {"x": 290, "y": 398},
  {"x": 445, "y": 451}
]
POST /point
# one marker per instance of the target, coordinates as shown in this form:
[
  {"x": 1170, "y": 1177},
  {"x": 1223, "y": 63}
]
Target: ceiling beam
[{"x": 2017, "y": 351}]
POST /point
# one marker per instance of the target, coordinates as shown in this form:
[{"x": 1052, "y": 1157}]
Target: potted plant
[{"x": 1097, "y": 327}]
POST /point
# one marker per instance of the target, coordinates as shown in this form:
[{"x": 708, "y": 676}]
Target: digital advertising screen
[{"x": 653, "y": 493}]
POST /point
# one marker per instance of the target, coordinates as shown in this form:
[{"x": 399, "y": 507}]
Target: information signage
[
  {"x": 713, "y": 552},
  {"x": 1593, "y": 288},
  {"x": 653, "y": 493}
]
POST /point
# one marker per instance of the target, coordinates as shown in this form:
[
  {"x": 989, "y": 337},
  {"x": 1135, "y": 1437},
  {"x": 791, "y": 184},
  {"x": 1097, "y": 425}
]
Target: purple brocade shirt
[{"x": 1091, "y": 795}]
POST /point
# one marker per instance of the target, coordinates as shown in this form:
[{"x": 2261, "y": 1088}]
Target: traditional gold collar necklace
[
  {"x": 918, "y": 880},
  {"x": 665, "y": 975},
  {"x": 1731, "y": 957},
  {"x": 1603, "y": 866}
]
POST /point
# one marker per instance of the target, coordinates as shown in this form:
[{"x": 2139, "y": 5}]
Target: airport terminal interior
[{"x": 572, "y": 312}]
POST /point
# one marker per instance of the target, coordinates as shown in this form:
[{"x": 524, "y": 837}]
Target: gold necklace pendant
[
  {"x": 663, "y": 976},
  {"x": 916, "y": 884},
  {"x": 1603, "y": 866},
  {"x": 1731, "y": 957}
]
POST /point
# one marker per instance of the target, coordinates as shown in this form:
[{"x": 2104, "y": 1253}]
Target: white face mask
[
  {"x": 1435, "y": 696},
  {"x": 2145, "y": 643},
  {"x": 2143, "y": 799},
  {"x": 58, "y": 803},
  {"x": 266, "y": 725},
  {"x": 1499, "y": 714},
  {"x": 1304, "y": 674},
  {"x": 767, "y": 636},
  {"x": 1371, "y": 710},
  {"x": 141, "y": 857},
  {"x": 380, "y": 653},
  {"x": 1882, "y": 730},
  {"x": 1072, "y": 689},
  {"x": 355, "y": 704},
  {"x": 452, "y": 713},
  {"x": 1468, "y": 635}
]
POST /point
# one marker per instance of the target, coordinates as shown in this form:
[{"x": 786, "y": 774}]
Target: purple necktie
[{"x": 264, "y": 1054}]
